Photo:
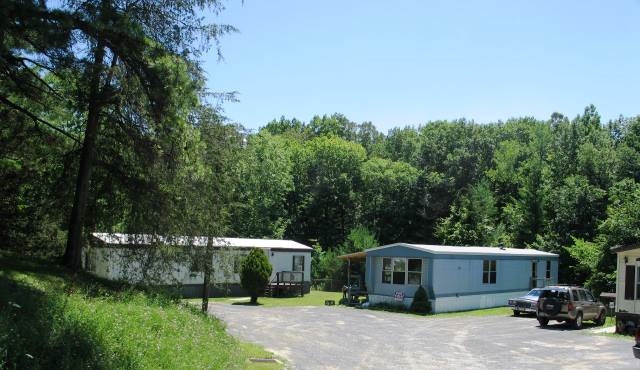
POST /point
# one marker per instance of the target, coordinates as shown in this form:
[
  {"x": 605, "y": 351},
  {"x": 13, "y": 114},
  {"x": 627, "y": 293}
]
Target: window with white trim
[
  {"x": 534, "y": 269},
  {"x": 414, "y": 274},
  {"x": 488, "y": 271},
  {"x": 548, "y": 273},
  {"x": 401, "y": 271},
  {"x": 237, "y": 264}
]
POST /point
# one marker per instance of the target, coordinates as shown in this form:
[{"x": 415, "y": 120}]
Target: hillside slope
[{"x": 50, "y": 318}]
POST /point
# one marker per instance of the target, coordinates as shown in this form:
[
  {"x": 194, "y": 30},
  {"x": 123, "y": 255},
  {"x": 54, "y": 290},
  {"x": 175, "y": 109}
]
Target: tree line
[
  {"x": 567, "y": 186},
  {"x": 107, "y": 126}
]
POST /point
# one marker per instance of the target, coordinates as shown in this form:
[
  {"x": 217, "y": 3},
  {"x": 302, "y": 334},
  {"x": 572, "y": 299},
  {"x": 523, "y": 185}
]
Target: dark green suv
[{"x": 570, "y": 304}]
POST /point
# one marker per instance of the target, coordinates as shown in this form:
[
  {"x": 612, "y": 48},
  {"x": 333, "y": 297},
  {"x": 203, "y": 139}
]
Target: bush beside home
[
  {"x": 255, "y": 273},
  {"x": 420, "y": 302}
]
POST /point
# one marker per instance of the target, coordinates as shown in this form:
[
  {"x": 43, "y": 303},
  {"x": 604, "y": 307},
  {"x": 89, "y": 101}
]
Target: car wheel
[
  {"x": 577, "y": 323},
  {"x": 621, "y": 326},
  {"x": 516, "y": 313},
  {"x": 543, "y": 321},
  {"x": 601, "y": 318}
]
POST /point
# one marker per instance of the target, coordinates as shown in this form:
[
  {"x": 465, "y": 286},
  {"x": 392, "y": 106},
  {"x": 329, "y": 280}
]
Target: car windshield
[{"x": 535, "y": 292}]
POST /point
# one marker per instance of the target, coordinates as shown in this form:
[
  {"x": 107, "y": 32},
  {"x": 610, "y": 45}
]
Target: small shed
[
  {"x": 456, "y": 278},
  {"x": 627, "y": 287},
  {"x": 139, "y": 257}
]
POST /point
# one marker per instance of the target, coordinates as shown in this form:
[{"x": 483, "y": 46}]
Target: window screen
[
  {"x": 394, "y": 270},
  {"x": 548, "y": 273},
  {"x": 387, "y": 270},
  {"x": 629, "y": 281},
  {"x": 489, "y": 271},
  {"x": 298, "y": 263},
  {"x": 534, "y": 269},
  {"x": 414, "y": 276},
  {"x": 399, "y": 268}
]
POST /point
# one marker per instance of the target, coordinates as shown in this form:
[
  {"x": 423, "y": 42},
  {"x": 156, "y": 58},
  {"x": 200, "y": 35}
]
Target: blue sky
[{"x": 409, "y": 62}]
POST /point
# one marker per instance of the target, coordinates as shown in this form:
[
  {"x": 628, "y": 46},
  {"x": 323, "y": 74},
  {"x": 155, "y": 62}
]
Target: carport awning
[{"x": 357, "y": 256}]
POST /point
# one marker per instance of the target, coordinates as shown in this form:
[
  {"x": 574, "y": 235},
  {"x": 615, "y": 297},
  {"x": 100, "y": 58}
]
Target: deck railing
[
  {"x": 290, "y": 276},
  {"x": 285, "y": 283}
]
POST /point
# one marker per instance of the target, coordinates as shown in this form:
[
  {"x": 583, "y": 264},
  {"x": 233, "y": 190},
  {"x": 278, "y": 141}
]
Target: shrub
[
  {"x": 388, "y": 306},
  {"x": 421, "y": 302},
  {"x": 255, "y": 273}
]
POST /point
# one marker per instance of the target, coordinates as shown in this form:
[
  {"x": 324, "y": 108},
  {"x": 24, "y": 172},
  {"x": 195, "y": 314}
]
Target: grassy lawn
[
  {"x": 52, "y": 319},
  {"x": 315, "y": 298}
]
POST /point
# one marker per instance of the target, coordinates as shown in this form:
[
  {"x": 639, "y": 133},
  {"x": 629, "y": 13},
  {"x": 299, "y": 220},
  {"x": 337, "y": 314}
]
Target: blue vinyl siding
[
  {"x": 464, "y": 277},
  {"x": 445, "y": 275}
]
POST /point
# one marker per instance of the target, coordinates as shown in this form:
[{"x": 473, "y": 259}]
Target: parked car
[
  {"x": 570, "y": 304},
  {"x": 636, "y": 347},
  {"x": 527, "y": 303}
]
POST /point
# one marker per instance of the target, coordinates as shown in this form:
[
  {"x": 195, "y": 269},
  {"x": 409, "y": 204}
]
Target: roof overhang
[
  {"x": 624, "y": 248},
  {"x": 449, "y": 250},
  {"x": 357, "y": 256},
  {"x": 115, "y": 240}
]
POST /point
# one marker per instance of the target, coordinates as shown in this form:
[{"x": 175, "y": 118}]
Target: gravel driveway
[{"x": 347, "y": 338}]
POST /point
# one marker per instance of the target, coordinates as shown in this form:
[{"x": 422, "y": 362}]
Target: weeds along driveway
[{"x": 347, "y": 338}]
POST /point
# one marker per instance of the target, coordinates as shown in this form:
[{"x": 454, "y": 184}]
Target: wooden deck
[
  {"x": 284, "y": 289},
  {"x": 285, "y": 284}
]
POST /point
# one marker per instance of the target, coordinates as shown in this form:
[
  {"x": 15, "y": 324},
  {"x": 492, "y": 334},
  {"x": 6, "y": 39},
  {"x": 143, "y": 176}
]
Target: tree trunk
[
  {"x": 207, "y": 275},
  {"x": 73, "y": 253}
]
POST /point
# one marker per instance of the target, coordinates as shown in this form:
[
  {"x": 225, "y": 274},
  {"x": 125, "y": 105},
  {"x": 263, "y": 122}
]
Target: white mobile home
[
  {"x": 456, "y": 278},
  {"x": 135, "y": 258},
  {"x": 627, "y": 287}
]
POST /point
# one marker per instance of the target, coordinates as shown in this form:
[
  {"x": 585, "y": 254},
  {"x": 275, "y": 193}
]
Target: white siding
[
  {"x": 624, "y": 305},
  {"x": 119, "y": 264},
  {"x": 283, "y": 261}
]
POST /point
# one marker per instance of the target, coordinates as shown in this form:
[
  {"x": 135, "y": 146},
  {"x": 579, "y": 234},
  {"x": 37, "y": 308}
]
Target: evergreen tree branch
[{"x": 35, "y": 118}]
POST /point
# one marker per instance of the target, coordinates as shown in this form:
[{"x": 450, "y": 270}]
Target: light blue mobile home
[{"x": 456, "y": 278}]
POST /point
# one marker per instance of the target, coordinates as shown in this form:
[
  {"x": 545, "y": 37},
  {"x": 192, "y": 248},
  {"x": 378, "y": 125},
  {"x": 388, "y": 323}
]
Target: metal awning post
[{"x": 349, "y": 279}]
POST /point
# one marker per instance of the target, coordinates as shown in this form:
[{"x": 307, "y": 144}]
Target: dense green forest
[
  {"x": 110, "y": 104},
  {"x": 568, "y": 186}
]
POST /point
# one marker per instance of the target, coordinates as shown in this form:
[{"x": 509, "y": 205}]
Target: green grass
[
  {"x": 50, "y": 318},
  {"x": 317, "y": 298},
  {"x": 314, "y": 298}
]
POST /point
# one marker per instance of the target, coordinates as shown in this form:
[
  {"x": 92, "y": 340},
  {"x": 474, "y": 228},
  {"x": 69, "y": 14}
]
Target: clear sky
[{"x": 399, "y": 63}]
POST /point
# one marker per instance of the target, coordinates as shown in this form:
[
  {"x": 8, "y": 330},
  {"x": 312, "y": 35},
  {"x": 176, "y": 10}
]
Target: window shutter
[{"x": 629, "y": 281}]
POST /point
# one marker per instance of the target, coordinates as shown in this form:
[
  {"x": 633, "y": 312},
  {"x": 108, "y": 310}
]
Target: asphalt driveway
[{"x": 347, "y": 338}]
